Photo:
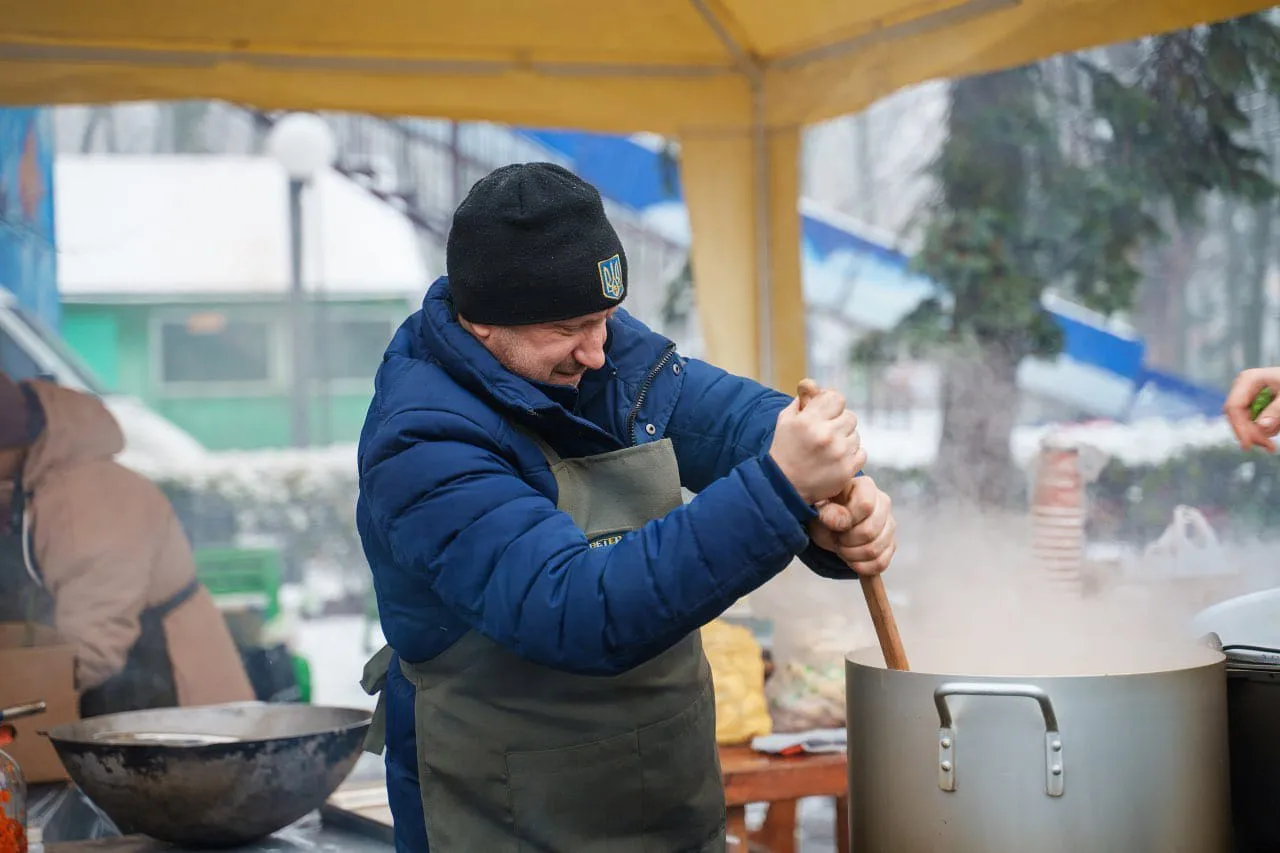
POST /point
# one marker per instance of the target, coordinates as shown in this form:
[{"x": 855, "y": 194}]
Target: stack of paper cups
[{"x": 1058, "y": 515}]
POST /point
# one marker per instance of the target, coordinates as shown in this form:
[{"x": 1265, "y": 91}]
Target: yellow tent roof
[
  {"x": 734, "y": 79},
  {"x": 667, "y": 66}
]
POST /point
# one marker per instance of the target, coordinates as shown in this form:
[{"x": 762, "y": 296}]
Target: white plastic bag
[
  {"x": 1187, "y": 548},
  {"x": 816, "y": 622}
]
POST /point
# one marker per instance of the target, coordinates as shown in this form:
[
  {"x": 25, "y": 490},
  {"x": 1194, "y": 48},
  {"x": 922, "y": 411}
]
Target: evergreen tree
[{"x": 1053, "y": 176}]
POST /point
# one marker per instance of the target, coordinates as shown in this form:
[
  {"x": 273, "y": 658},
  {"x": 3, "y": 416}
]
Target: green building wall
[{"x": 119, "y": 341}]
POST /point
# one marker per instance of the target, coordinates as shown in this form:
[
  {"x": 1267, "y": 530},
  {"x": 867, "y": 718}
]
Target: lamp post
[{"x": 304, "y": 145}]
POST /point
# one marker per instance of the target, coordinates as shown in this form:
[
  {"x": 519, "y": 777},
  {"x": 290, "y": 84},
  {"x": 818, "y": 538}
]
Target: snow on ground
[
  {"x": 149, "y": 438},
  {"x": 335, "y": 648}
]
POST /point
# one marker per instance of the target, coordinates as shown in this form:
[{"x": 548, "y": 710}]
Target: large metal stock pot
[{"x": 1062, "y": 764}]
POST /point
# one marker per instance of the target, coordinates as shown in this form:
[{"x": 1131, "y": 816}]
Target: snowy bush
[
  {"x": 1152, "y": 466},
  {"x": 1236, "y": 491},
  {"x": 301, "y": 501}
]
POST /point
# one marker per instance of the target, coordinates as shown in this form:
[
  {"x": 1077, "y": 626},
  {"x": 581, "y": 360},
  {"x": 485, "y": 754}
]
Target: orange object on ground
[{"x": 13, "y": 835}]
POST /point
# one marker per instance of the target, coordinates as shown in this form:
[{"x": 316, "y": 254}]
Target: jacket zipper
[{"x": 644, "y": 390}]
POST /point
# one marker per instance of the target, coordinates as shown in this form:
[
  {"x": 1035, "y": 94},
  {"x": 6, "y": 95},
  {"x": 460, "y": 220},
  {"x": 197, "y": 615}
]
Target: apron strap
[
  {"x": 35, "y": 601},
  {"x": 374, "y": 683},
  {"x": 173, "y": 602},
  {"x": 553, "y": 458},
  {"x": 147, "y": 679},
  {"x": 24, "y": 525}
]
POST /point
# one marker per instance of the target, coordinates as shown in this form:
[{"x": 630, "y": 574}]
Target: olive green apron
[
  {"x": 25, "y": 598},
  {"x": 514, "y": 756}
]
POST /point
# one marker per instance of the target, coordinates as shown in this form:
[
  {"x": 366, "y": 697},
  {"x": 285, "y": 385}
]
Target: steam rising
[
  {"x": 979, "y": 606},
  {"x": 970, "y": 600}
]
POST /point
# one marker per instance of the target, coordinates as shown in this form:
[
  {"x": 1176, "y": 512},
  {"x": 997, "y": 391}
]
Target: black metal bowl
[{"x": 216, "y": 776}]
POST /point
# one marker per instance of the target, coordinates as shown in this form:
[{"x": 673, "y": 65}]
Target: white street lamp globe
[{"x": 304, "y": 145}]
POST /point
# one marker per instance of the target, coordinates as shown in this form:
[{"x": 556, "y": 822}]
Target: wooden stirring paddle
[{"x": 895, "y": 657}]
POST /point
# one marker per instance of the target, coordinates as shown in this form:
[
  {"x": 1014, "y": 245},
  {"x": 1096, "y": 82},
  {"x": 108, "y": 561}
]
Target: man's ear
[{"x": 480, "y": 330}]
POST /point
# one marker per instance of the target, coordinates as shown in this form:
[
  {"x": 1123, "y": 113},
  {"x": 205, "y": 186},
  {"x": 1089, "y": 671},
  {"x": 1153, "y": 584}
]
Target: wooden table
[{"x": 754, "y": 777}]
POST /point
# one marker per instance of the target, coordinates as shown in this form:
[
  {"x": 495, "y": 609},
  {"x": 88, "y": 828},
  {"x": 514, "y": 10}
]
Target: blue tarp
[
  {"x": 1087, "y": 343},
  {"x": 621, "y": 169},
  {"x": 28, "y": 258},
  {"x": 1164, "y": 395},
  {"x": 633, "y": 174}
]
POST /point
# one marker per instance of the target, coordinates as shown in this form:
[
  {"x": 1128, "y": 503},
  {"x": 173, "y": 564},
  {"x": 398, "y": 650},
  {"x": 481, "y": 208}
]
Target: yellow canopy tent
[{"x": 734, "y": 80}]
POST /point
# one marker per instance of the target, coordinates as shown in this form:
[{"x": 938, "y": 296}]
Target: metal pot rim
[
  {"x": 75, "y": 734},
  {"x": 873, "y": 659}
]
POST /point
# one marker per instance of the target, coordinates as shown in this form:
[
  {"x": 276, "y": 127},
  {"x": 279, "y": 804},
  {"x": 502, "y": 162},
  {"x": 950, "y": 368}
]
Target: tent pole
[{"x": 764, "y": 253}]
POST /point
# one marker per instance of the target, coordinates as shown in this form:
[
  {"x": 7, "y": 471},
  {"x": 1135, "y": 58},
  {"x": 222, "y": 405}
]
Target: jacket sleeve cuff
[
  {"x": 803, "y": 512},
  {"x": 825, "y": 564}
]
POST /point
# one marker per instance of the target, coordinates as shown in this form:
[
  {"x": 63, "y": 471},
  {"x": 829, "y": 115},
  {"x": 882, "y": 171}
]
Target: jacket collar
[{"x": 440, "y": 337}]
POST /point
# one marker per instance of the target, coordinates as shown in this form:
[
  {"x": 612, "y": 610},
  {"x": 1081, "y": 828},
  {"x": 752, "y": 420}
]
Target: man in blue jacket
[{"x": 538, "y": 575}]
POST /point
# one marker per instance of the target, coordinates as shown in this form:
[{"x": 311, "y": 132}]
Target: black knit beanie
[{"x": 531, "y": 244}]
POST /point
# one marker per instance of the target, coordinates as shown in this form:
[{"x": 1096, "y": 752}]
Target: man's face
[{"x": 555, "y": 353}]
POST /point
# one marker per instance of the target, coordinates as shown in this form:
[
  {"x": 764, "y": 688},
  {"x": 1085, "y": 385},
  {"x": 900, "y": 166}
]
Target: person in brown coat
[{"x": 96, "y": 551}]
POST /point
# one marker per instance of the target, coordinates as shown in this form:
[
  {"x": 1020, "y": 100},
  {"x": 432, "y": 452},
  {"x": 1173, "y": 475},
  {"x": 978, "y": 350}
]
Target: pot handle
[{"x": 1054, "y": 773}]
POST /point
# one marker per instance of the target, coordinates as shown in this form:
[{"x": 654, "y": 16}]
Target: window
[
  {"x": 350, "y": 349},
  {"x": 211, "y": 347}
]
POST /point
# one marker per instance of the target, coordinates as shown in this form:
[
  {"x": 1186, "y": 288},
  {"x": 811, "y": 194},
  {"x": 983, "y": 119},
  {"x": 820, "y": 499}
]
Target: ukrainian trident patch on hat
[{"x": 611, "y": 283}]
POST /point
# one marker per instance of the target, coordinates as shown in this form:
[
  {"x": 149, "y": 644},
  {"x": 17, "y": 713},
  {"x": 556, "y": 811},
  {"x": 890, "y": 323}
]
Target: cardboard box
[{"x": 43, "y": 670}]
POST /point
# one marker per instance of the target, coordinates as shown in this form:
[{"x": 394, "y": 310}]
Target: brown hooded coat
[{"x": 108, "y": 545}]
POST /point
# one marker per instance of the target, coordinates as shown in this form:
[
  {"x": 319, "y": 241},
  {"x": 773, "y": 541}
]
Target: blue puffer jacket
[{"x": 457, "y": 509}]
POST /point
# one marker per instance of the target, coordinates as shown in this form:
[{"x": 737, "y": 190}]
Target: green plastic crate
[
  {"x": 245, "y": 583},
  {"x": 302, "y": 672},
  {"x": 242, "y": 577}
]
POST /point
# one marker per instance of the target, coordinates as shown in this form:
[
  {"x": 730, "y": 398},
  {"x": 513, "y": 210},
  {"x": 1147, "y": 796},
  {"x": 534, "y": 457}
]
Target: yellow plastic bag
[{"x": 738, "y": 672}]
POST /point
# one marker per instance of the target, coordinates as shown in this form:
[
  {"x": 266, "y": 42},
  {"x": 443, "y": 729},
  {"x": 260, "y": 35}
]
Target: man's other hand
[
  {"x": 1239, "y": 405},
  {"x": 861, "y": 531}
]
